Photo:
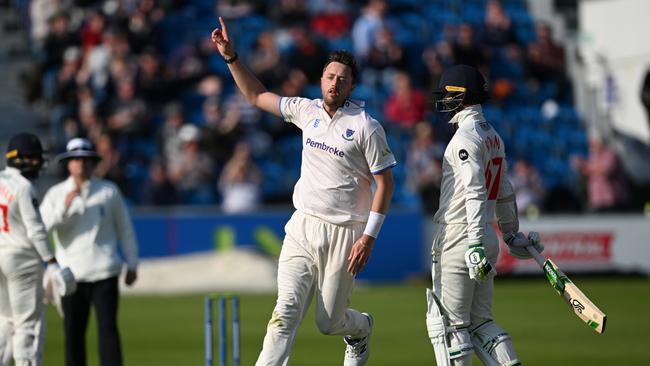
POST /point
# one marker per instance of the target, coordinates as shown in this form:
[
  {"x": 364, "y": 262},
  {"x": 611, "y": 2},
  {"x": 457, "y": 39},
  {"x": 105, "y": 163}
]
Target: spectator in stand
[
  {"x": 498, "y": 30},
  {"x": 40, "y": 14},
  {"x": 385, "y": 57},
  {"x": 288, "y": 13},
  {"x": 366, "y": 26},
  {"x": 443, "y": 47},
  {"x": 424, "y": 167},
  {"x": 192, "y": 170},
  {"x": 307, "y": 54},
  {"x": 405, "y": 105},
  {"x": 149, "y": 80},
  {"x": 606, "y": 185},
  {"x": 64, "y": 92},
  {"x": 293, "y": 86},
  {"x": 99, "y": 70},
  {"x": 121, "y": 68},
  {"x": 159, "y": 190},
  {"x": 59, "y": 38},
  {"x": 467, "y": 50},
  {"x": 117, "y": 43},
  {"x": 129, "y": 116},
  {"x": 238, "y": 8},
  {"x": 92, "y": 29},
  {"x": 249, "y": 122},
  {"x": 546, "y": 61},
  {"x": 528, "y": 187},
  {"x": 169, "y": 143},
  {"x": 90, "y": 121},
  {"x": 240, "y": 182},
  {"x": 222, "y": 131},
  {"x": 265, "y": 60},
  {"x": 141, "y": 24},
  {"x": 433, "y": 68},
  {"x": 210, "y": 86},
  {"x": 329, "y": 18},
  {"x": 110, "y": 167}
]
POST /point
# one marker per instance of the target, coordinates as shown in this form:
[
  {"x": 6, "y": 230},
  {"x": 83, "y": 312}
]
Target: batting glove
[
  {"x": 479, "y": 267},
  {"x": 518, "y": 242},
  {"x": 535, "y": 241}
]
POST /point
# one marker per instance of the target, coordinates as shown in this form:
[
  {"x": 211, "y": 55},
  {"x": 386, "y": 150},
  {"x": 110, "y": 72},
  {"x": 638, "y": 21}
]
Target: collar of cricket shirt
[
  {"x": 468, "y": 115},
  {"x": 348, "y": 105},
  {"x": 13, "y": 171}
]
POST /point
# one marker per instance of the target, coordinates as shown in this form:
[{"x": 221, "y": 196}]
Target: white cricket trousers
[
  {"x": 313, "y": 260},
  {"x": 465, "y": 301},
  {"x": 21, "y": 304}
]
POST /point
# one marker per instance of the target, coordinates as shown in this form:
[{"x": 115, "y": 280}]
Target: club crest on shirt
[
  {"x": 316, "y": 122},
  {"x": 463, "y": 154},
  {"x": 348, "y": 134}
]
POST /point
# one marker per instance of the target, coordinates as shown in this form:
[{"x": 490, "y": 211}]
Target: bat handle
[{"x": 536, "y": 255}]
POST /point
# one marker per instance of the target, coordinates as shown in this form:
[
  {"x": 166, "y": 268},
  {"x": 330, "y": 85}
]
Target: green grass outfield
[{"x": 169, "y": 330}]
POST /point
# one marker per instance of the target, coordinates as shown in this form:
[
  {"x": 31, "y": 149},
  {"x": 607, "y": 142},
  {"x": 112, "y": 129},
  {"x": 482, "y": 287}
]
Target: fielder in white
[
  {"x": 23, "y": 249},
  {"x": 330, "y": 236},
  {"x": 465, "y": 246}
]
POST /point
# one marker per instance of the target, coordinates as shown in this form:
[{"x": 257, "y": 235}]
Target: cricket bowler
[
  {"x": 465, "y": 246},
  {"x": 330, "y": 236}
]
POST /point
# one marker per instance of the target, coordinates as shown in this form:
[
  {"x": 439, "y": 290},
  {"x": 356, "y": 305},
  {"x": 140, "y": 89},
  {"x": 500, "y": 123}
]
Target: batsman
[
  {"x": 23, "y": 249},
  {"x": 465, "y": 246}
]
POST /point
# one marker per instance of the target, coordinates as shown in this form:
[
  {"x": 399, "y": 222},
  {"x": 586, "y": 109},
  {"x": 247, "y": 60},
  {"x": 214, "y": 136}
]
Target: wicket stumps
[{"x": 222, "y": 315}]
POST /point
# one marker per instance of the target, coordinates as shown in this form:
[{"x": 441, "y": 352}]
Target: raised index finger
[{"x": 224, "y": 29}]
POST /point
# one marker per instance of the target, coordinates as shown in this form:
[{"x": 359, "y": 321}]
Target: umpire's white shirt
[
  {"x": 474, "y": 174},
  {"x": 87, "y": 234},
  {"x": 339, "y": 156},
  {"x": 21, "y": 227}
]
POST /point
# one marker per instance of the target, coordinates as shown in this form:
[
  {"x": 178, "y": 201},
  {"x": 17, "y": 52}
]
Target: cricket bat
[{"x": 578, "y": 301}]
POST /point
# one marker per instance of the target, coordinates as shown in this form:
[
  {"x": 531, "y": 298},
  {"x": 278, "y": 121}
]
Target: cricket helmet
[
  {"x": 25, "y": 153},
  {"x": 460, "y": 85}
]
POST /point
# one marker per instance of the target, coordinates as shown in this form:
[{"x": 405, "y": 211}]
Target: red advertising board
[{"x": 569, "y": 249}]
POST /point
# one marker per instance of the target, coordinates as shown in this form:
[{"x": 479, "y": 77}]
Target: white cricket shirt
[
  {"x": 89, "y": 232},
  {"x": 474, "y": 174},
  {"x": 21, "y": 227},
  {"x": 339, "y": 157}
]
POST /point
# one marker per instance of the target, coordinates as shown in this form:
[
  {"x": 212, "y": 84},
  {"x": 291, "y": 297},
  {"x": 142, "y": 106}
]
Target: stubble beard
[{"x": 333, "y": 103}]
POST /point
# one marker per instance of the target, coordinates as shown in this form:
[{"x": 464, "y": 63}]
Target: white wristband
[{"x": 375, "y": 220}]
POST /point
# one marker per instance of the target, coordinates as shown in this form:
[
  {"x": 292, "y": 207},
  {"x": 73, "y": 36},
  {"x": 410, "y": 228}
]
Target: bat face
[
  {"x": 576, "y": 299},
  {"x": 584, "y": 308}
]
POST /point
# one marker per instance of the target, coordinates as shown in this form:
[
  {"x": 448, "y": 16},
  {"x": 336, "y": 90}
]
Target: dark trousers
[{"x": 103, "y": 295}]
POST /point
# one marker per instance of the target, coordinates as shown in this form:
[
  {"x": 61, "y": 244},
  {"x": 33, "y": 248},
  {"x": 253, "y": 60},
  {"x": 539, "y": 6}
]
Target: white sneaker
[{"x": 358, "y": 350}]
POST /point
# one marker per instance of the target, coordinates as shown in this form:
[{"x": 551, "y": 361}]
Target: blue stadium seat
[
  {"x": 273, "y": 177},
  {"x": 193, "y": 106},
  {"x": 341, "y": 43},
  {"x": 473, "y": 13}
]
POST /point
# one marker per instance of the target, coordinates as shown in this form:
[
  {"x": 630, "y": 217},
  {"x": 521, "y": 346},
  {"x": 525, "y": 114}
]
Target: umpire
[{"x": 89, "y": 224}]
